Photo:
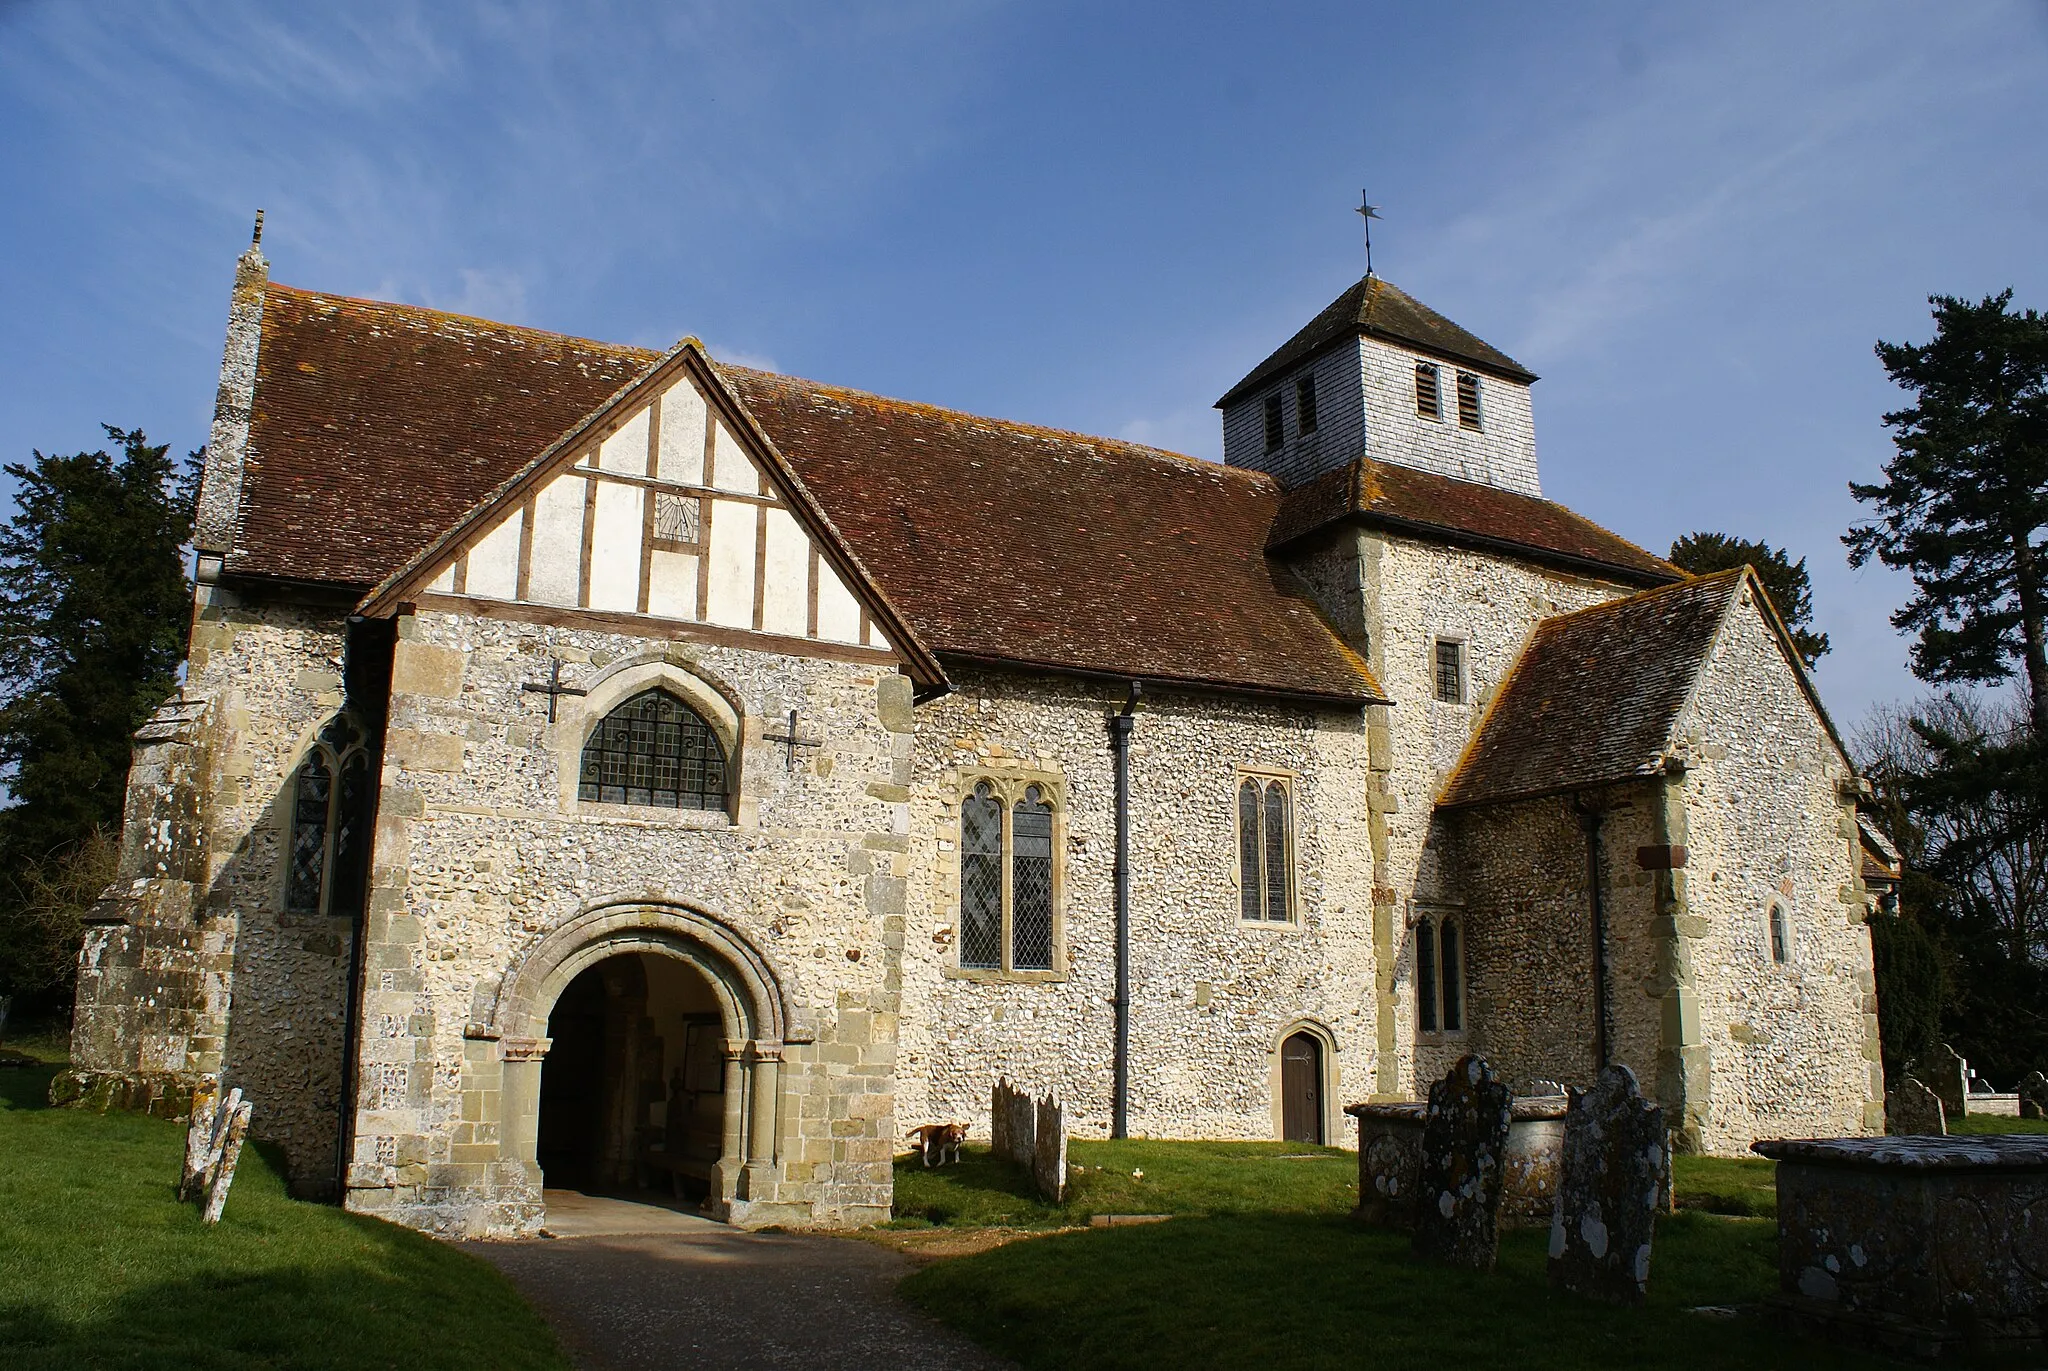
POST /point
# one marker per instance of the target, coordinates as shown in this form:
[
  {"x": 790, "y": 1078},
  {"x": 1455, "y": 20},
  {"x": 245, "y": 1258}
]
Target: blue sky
[{"x": 1692, "y": 221}]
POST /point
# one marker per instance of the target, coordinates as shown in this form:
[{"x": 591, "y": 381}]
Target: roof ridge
[
  {"x": 1638, "y": 597},
  {"x": 429, "y": 311},
  {"x": 1015, "y": 425}
]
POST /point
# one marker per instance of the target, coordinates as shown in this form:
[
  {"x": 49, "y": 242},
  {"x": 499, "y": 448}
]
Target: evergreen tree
[
  {"x": 1785, "y": 580},
  {"x": 94, "y": 606},
  {"x": 1964, "y": 503}
]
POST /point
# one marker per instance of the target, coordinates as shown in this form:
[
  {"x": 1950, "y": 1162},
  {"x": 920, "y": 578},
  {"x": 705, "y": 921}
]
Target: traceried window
[
  {"x": 654, "y": 750},
  {"x": 1276, "y": 432},
  {"x": 1429, "y": 395},
  {"x": 1265, "y": 849},
  {"x": 1007, "y": 880},
  {"x": 1450, "y": 671},
  {"x": 1781, "y": 934},
  {"x": 1305, "y": 404},
  {"x": 328, "y": 863},
  {"x": 1439, "y": 976},
  {"x": 1468, "y": 399}
]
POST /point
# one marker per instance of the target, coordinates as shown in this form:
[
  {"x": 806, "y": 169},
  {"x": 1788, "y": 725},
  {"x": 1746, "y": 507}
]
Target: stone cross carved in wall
[
  {"x": 791, "y": 741},
  {"x": 554, "y": 688}
]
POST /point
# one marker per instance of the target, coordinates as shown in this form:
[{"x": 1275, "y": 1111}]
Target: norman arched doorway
[
  {"x": 714, "y": 992},
  {"x": 1301, "y": 1088},
  {"x": 632, "y": 1091}
]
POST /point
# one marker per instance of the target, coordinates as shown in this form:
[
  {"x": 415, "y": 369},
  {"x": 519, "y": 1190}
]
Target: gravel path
[{"x": 683, "y": 1292}]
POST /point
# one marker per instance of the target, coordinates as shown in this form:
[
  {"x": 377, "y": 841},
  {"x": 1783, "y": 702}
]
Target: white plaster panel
[
  {"x": 494, "y": 560},
  {"x": 785, "y": 607},
  {"x": 626, "y": 450},
  {"x": 672, "y": 585},
  {"x": 615, "y": 546},
  {"x": 733, "y": 469},
  {"x": 838, "y": 611},
  {"x": 732, "y": 563},
  {"x": 682, "y": 435},
  {"x": 554, "y": 574},
  {"x": 445, "y": 581}
]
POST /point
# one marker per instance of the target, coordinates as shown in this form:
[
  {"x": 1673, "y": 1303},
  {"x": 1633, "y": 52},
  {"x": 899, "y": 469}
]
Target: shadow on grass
[
  {"x": 100, "y": 1265},
  {"x": 1288, "y": 1291}
]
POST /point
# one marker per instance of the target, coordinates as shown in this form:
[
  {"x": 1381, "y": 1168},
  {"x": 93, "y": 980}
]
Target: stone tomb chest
[
  {"x": 1916, "y": 1244},
  {"x": 1390, "y": 1160}
]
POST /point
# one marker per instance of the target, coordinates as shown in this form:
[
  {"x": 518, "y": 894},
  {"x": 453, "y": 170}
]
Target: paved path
[{"x": 628, "y": 1286}]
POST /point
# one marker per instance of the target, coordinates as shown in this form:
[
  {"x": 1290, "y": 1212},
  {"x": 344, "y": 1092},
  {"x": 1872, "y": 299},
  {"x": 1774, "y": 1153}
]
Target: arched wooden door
[{"x": 1301, "y": 1089}]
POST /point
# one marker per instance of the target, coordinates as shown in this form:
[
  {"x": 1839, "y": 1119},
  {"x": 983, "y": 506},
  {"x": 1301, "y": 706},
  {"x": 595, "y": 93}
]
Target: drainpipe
[
  {"x": 1120, "y": 726},
  {"x": 1590, "y": 819}
]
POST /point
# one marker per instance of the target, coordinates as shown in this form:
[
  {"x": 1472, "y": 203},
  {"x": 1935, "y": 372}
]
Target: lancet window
[
  {"x": 654, "y": 750},
  {"x": 1439, "y": 975},
  {"x": 1265, "y": 848},
  {"x": 1008, "y": 876},
  {"x": 328, "y": 863}
]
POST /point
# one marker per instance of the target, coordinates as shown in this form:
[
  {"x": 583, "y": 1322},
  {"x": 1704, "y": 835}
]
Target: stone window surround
[
  {"x": 1776, "y": 905},
  {"x": 1009, "y": 784},
  {"x": 1333, "y": 1117},
  {"x": 620, "y": 682},
  {"x": 1290, "y": 781},
  {"x": 1437, "y": 912}
]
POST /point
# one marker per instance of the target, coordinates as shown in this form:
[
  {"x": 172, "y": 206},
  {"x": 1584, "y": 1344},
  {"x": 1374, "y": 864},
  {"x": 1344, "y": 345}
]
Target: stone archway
[{"x": 751, "y": 1007}]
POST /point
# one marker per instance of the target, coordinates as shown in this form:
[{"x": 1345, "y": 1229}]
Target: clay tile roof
[
  {"x": 1382, "y": 310},
  {"x": 1595, "y": 695},
  {"x": 1008, "y": 542},
  {"x": 1425, "y": 503},
  {"x": 376, "y": 426}
]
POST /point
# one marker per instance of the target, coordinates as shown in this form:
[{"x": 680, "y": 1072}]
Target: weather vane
[{"x": 1367, "y": 211}]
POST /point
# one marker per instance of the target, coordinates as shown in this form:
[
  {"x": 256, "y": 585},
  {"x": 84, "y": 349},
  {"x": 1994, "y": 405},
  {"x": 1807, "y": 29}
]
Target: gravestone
[
  {"x": 1049, "y": 1157},
  {"x": 1013, "y": 1125},
  {"x": 222, "y": 1174},
  {"x": 2034, "y": 1097},
  {"x": 1912, "y": 1110},
  {"x": 1944, "y": 1071},
  {"x": 1464, "y": 1138},
  {"x": 1617, "y": 1157},
  {"x": 213, "y": 1147}
]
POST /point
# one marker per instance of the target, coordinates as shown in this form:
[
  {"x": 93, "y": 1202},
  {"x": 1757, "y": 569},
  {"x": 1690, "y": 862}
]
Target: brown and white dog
[{"x": 939, "y": 1142}]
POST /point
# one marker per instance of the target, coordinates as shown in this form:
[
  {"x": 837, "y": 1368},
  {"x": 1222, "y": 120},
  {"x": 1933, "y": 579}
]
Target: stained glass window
[
  {"x": 1031, "y": 883},
  {"x": 981, "y": 879},
  {"x": 654, "y": 750}
]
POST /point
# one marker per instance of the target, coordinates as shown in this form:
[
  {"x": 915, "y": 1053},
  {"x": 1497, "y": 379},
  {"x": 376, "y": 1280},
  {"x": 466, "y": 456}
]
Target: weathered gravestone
[
  {"x": 1012, "y": 1125},
  {"x": 1617, "y": 1157},
  {"x": 2034, "y": 1097},
  {"x": 213, "y": 1148},
  {"x": 1944, "y": 1071},
  {"x": 1049, "y": 1156},
  {"x": 1464, "y": 1138},
  {"x": 1912, "y": 1110}
]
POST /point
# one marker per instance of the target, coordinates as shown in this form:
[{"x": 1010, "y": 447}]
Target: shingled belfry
[{"x": 475, "y": 847}]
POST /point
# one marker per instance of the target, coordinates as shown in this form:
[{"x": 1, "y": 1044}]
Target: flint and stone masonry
[{"x": 805, "y": 938}]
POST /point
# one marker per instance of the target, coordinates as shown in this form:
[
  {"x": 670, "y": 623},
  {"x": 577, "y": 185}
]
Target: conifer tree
[
  {"x": 94, "y": 606},
  {"x": 1964, "y": 502},
  {"x": 1785, "y": 580}
]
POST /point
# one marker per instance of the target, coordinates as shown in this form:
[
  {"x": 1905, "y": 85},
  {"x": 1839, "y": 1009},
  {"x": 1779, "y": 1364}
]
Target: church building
[{"x": 600, "y": 767}]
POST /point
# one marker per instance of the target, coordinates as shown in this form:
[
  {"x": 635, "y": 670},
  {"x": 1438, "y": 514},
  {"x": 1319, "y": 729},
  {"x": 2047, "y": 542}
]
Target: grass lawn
[
  {"x": 1980, "y": 1124},
  {"x": 1266, "y": 1268},
  {"x": 101, "y": 1267}
]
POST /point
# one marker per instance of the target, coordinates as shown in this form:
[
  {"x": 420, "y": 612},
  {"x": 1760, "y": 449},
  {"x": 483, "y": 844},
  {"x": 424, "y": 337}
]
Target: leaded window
[
  {"x": 1439, "y": 976},
  {"x": 1265, "y": 849},
  {"x": 981, "y": 879},
  {"x": 1008, "y": 879},
  {"x": 1450, "y": 671},
  {"x": 327, "y": 864},
  {"x": 654, "y": 750}
]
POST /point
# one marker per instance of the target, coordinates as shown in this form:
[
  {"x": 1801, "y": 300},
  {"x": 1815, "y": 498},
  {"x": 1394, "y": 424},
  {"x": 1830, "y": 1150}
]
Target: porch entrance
[{"x": 632, "y": 1091}]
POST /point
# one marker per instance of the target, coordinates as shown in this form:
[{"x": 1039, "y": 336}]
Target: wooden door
[{"x": 1301, "y": 1089}]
